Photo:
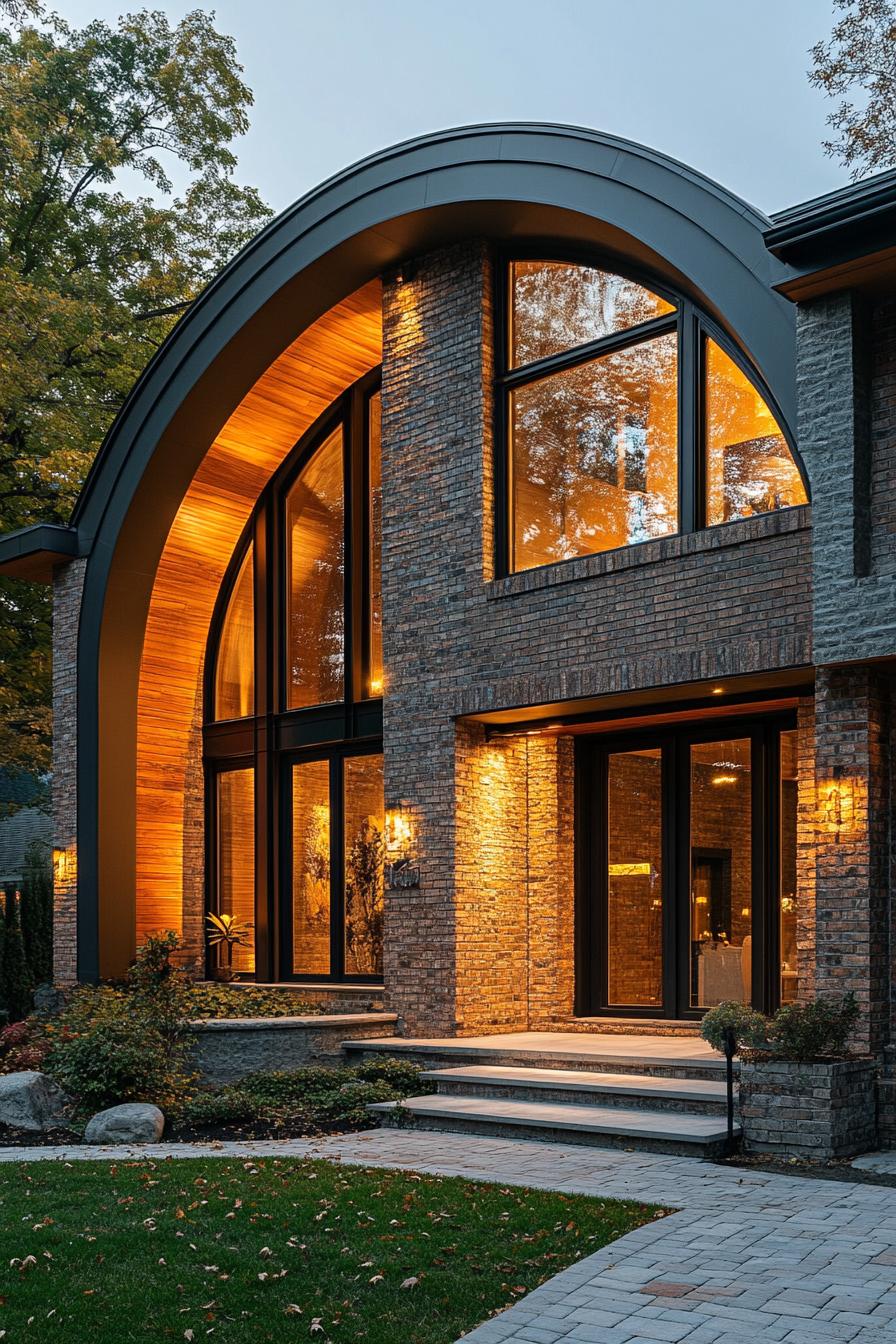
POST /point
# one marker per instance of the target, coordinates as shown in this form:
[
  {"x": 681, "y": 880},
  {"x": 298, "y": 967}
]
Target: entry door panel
[
  {"x": 680, "y": 871},
  {"x": 720, "y": 798},
  {"x": 634, "y": 899}
]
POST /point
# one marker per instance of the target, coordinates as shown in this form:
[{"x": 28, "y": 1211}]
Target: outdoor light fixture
[
  {"x": 838, "y": 805},
  {"x": 63, "y": 862},
  {"x": 400, "y": 871}
]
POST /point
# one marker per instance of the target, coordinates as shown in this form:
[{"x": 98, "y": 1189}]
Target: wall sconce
[
  {"x": 400, "y": 872},
  {"x": 63, "y": 866},
  {"x": 838, "y": 805}
]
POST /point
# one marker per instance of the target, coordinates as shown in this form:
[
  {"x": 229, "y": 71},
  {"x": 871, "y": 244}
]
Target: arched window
[
  {"x": 293, "y": 714},
  {"x": 628, "y": 417}
]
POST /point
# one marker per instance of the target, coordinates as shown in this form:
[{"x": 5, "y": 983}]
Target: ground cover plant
[{"x": 277, "y": 1250}]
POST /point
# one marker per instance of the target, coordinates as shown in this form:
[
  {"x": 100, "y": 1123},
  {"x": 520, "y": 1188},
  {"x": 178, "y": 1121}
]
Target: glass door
[
  {"x": 720, "y": 915},
  {"x": 687, "y": 869},
  {"x": 634, "y": 863}
]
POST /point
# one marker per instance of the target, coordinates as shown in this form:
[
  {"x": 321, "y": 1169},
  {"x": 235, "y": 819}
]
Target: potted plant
[
  {"x": 803, "y": 1093},
  {"x": 227, "y": 932}
]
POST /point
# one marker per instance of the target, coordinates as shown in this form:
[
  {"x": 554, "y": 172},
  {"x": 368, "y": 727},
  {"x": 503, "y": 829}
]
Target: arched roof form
[{"x": 513, "y": 183}]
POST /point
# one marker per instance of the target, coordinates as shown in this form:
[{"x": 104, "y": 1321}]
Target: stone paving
[{"x": 749, "y": 1256}]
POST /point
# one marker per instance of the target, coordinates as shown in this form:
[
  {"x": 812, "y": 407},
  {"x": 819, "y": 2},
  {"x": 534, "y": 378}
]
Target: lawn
[{"x": 239, "y": 1251}]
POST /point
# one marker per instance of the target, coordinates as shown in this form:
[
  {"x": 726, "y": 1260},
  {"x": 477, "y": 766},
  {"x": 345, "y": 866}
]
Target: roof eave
[{"x": 34, "y": 553}]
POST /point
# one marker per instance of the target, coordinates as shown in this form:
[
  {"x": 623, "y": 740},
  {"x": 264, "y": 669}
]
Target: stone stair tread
[
  {"x": 657, "y": 1126},
  {"x": 575, "y": 1080},
  {"x": 642, "y": 1054}
]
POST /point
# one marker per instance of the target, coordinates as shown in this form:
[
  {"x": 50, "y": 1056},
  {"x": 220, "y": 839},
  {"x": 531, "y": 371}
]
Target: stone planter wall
[
  {"x": 228, "y": 1048},
  {"x": 819, "y": 1110},
  {"x": 886, "y": 1100}
]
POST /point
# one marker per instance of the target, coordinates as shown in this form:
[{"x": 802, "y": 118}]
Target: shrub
[
  {"x": 37, "y": 912},
  {"x": 217, "y": 1000},
  {"x": 305, "y": 1100},
  {"x": 402, "y": 1076},
  {"x": 126, "y": 1044},
  {"x": 17, "y": 981},
  {"x": 750, "y": 1027},
  {"x": 114, "y": 1061},
  {"x": 23, "y": 1045},
  {"x": 821, "y": 1029}
]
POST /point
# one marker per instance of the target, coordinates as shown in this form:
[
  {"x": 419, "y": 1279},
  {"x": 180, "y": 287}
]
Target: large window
[
  {"x": 294, "y": 713},
  {"x": 627, "y": 418}
]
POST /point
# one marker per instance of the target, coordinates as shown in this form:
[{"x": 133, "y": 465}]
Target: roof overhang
[
  {"x": 651, "y": 706},
  {"x": 34, "y": 552},
  {"x": 843, "y": 240}
]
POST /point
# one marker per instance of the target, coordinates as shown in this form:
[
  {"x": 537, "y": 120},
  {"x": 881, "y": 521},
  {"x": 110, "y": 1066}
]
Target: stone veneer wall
[
  {"x": 458, "y": 641},
  {"x": 852, "y": 906},
  {"x": 68, "y": 583}
]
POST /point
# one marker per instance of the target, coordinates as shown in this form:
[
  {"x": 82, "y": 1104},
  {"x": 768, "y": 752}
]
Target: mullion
[
  {"x": 337, "y": 866},
  {"x": 584, "y": 354}
]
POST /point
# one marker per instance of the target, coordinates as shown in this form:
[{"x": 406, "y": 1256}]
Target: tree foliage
[
  {"x": 857, "y": 65},
  {"x": 99, "y": 256}
]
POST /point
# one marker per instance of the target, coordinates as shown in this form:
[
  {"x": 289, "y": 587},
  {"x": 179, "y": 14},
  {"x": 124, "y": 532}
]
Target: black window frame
[
  {"x": 275, "y": 735},
  {"x": 591, "y": 878},
  {"x": 693, "y": 327}
]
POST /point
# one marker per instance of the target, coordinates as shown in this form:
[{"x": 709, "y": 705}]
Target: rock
[
  {"x": 133, "y": 1122},
  {"x": 48, "y": 1000},
  {"x": 30, "y": 1100}
]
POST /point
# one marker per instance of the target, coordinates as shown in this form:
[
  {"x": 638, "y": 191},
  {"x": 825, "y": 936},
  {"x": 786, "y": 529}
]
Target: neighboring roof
[{"x": 844, "y": 239}]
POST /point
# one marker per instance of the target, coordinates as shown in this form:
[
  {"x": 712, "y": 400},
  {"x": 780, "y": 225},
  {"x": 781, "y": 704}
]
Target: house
[{"x": 514, "y": 520}]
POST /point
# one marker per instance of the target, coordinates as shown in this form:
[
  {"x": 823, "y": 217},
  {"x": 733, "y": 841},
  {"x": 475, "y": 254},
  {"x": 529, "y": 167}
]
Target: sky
[{"x": 718, "y": 84}]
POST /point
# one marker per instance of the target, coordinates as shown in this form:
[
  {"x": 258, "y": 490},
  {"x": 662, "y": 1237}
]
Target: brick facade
[
  {"x": 67, "y": 587},
  {"x": 486, "y": 943},
  {"x": 493, "y": 828}
]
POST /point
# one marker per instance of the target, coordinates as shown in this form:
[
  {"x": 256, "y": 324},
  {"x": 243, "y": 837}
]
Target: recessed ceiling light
[{"x": 718, "y": 690}]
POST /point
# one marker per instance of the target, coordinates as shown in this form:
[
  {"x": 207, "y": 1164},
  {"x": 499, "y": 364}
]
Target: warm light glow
[
  {"x": 724, "y": 779},
  {"x": 746, "y": 912},
  {"x": 630, "y": 870},
  {"x": 64, "y": 866},
  {"x": 399, "y": 833},
  {"x": 376, "y": 686},
  {"x": 718, "y": 690}
]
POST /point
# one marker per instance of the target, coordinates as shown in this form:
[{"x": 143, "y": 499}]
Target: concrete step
[
  {"x": 668, "y": 1058},
  {"x": 696, "y": 1096},
  {"x": 601, "y": 1126}
]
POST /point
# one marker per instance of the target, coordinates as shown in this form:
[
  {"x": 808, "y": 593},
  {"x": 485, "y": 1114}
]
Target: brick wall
[
  {"x": 457, "y": 641},
  {"x": 852, "y": 749},
  {"x": 67, "y": 586}
]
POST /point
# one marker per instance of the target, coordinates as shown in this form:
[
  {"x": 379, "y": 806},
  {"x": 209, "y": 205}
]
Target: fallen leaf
[{"x": 410, "y": 1283}]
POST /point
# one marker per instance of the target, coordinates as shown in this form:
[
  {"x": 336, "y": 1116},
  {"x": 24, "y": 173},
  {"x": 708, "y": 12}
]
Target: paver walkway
[{"x": 749, "y": 1256}]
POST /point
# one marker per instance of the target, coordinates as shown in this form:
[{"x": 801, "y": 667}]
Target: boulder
[
  {"x": 132, "y": 1122},
  {"x": 30, "y": 1100}
]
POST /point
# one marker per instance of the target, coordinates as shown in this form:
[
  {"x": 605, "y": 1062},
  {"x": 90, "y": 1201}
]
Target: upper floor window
[{"x": 627, "y": 419}]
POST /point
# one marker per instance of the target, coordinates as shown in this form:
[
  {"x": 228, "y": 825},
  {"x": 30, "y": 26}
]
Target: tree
[
  {"x": 858, "y": 66},
  {"x": 92, "y": 277},
  {"x": 36, "y": 913}
]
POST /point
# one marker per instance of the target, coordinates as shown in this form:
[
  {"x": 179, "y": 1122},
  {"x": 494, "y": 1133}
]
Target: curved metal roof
[{"x": 510, "y": 180}]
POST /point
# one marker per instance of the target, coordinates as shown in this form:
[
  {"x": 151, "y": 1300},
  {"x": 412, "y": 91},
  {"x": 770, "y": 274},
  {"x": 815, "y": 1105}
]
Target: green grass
[{"x": 240, "y": 1251}]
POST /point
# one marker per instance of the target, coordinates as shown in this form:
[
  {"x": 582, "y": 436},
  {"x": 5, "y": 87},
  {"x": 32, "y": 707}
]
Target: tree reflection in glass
[
  {"x": 556, "y": 305},
  {"x": 749, "y": 467},
  {"x": 315, "y": 528},
  {"x": 595, "y": 456}
]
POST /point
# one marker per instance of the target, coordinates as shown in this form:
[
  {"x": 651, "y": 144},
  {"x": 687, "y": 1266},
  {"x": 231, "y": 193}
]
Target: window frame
[
  {"x": 271, "y": 739},
  {"x": 693, "y": 327}
]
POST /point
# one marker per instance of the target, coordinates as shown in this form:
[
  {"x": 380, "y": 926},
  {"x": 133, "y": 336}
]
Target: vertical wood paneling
[{"x": 335, "y": 351}]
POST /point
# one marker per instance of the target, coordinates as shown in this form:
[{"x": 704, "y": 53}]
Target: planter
[
  {"x": 225, "y": 1049},
  {"x": 819, "y": 1110}
]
